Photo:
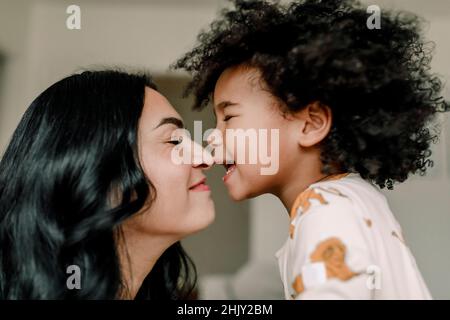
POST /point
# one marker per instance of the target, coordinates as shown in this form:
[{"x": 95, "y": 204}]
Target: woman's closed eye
[{"x": 175, "y": 141}]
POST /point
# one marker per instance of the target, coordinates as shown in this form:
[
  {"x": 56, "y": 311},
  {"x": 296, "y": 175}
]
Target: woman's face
[{"x": 183, "y": 204}]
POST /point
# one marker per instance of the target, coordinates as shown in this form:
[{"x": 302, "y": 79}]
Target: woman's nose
[{"x": 201, "y": 157}]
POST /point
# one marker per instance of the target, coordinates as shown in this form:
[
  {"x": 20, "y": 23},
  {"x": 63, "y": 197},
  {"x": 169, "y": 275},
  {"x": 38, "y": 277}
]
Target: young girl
[{"x": 352, "y": 105}]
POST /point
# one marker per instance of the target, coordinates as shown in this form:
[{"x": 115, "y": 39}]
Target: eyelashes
[
  {"x": 176, "y": 141},
  {"x": 226, "y": 118}
]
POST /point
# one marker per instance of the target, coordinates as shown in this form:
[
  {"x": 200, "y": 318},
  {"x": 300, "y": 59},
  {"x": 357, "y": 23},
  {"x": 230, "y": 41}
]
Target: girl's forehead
[{"x": 237, "y": 82}]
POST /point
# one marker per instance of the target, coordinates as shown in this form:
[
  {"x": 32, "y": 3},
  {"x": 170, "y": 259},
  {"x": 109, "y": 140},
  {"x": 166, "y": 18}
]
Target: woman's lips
[
  {"x": 200, "y": 186},
  {"x": 230, "y": 169}
]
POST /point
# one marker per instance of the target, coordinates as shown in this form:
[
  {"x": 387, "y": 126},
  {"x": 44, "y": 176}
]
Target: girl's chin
[{"x": 236, "y": 195}]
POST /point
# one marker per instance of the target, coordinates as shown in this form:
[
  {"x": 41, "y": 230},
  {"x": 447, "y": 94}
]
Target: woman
[{"x": 87, "y": 181}]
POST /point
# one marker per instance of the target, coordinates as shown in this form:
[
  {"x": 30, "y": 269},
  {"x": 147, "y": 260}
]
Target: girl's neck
[{"x": 299, "y": 183}]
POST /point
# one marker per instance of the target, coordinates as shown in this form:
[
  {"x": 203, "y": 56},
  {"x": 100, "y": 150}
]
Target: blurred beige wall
[{"x": 14, "y": 35}]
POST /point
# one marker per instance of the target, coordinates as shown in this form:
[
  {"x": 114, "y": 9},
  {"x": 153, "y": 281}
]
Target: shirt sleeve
[{"x": 331, "y": 253}]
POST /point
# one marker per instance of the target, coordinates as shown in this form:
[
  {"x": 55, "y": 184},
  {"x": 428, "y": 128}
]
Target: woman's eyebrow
[{"x": 171, "y": 120}]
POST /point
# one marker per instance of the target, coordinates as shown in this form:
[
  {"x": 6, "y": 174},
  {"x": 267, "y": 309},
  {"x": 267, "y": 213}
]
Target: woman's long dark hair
[{"x": 76, "y": 142}]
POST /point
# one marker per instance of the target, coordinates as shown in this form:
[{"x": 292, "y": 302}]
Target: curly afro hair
[{"x": 377, "y": 82}]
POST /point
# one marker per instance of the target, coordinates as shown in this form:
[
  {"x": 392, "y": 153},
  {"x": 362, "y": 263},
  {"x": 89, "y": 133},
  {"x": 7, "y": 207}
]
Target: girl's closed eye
[{"x": 228, "y": 117}]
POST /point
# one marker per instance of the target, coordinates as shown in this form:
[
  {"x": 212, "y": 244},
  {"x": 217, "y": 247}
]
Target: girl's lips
[{"x": 230, "y": 169}]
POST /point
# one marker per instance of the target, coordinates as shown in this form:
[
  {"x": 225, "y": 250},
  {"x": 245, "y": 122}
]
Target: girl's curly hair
[{"x": 377, "y": 82}]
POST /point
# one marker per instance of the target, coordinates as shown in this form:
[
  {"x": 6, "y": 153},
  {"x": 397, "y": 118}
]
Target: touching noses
[
  {"x": 215, "y": 153},
  {"x": 216, "y": 143},
  {"x": 201, "y": 158}
]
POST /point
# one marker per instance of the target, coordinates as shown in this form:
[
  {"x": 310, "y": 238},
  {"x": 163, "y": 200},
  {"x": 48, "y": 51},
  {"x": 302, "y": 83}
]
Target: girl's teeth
[{"x": 229, "y": 171}]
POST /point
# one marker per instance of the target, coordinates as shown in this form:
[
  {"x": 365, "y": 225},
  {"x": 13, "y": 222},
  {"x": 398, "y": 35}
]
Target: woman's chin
[
  {"x": 207, "y": 215},
  {"x": 201, "y": 226},
  {"x": 210, "y": 216}
]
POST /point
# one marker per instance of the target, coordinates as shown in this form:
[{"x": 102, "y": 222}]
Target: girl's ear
[{"x": 314, "y": 125}]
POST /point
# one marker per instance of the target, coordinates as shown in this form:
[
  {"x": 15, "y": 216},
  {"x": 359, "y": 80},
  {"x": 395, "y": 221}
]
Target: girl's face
[
  {"x": 240, "y": 102},
  {"x": 183, "y": 204}
]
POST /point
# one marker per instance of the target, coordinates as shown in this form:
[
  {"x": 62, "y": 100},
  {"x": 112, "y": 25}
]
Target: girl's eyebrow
[
  {"x": 226, "y": 103},
  {"x": 171, "y": 120}
]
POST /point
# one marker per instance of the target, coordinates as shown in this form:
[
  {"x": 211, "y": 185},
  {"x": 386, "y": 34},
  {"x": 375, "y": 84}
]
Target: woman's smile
[{"x": 200, "y": 186}]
